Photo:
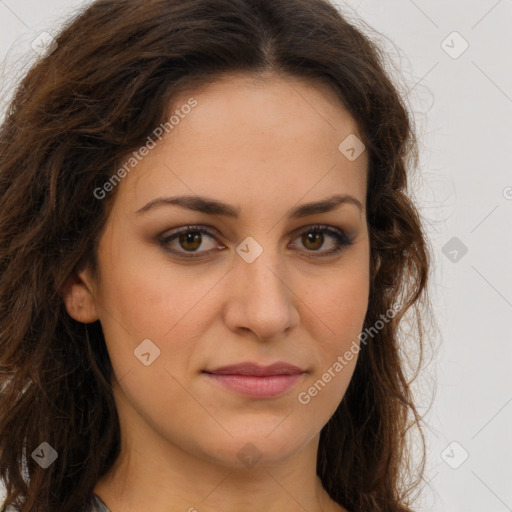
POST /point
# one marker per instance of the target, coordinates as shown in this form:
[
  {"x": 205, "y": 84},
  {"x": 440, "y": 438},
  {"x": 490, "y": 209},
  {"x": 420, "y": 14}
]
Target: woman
[{"x": 207, "y": 246}]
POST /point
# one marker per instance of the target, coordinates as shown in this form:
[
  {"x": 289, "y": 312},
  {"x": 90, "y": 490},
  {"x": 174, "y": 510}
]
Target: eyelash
[{"x": 340, "y": 237}]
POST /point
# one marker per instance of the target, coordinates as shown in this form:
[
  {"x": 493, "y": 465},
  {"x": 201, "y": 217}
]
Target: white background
[{"x": 463, "y": 110}]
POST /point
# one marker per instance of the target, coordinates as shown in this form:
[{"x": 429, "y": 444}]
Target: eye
[
  {"x": 313, "y": 238},
  {"x": 188, "y": 239}
]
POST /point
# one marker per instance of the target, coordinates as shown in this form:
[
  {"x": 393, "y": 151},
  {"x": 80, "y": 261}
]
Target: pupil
[
  {"x": 310, "y": 237},
  {"x": 190, "y": 237}
]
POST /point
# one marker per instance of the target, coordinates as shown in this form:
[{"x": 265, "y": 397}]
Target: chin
[{"x": 259, "y": 447}]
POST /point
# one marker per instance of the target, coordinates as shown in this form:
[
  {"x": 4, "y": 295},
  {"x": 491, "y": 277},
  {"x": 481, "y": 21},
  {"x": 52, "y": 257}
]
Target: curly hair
[{"x": 74, "y": 117}]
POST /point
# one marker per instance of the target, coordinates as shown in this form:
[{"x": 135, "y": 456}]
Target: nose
[{"x": 261, "y": 298}]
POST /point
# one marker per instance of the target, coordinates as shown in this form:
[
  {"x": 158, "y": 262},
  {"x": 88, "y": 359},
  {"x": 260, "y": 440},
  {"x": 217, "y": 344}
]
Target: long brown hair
[{"x": 75, "y": 116}]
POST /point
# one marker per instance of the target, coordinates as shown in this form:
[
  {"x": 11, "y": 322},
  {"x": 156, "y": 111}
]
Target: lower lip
[{"x": 254, "y": 386}]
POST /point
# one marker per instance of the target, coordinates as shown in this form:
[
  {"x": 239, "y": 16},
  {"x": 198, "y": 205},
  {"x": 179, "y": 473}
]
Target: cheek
[
  {"x": 340, "y": 305},
  {"x": 143, "y": 297},
  {"x": 146, "y": 294},
  {"x": 338, "y": 309},
  {"x": 171, "y": 312}
]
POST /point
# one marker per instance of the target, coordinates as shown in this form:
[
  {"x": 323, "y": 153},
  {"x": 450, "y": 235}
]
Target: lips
[
  {"x": 256, "y": 381},
  {"x": 257, "y": 370}
]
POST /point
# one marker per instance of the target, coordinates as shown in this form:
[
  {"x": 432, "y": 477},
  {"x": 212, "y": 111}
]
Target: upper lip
[{"x": 248, "y": 368}]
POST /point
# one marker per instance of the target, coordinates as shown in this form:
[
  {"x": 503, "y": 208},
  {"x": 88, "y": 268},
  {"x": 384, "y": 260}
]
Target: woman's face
[{"x": 259, "y": 286}]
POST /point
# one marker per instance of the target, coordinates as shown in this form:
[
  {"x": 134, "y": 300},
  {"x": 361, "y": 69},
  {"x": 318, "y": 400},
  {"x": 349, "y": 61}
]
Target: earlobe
[{"x": 79, "y": 299}]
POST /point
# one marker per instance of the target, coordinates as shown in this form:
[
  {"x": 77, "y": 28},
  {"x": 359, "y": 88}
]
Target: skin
[{"x": 264, "y": 146}]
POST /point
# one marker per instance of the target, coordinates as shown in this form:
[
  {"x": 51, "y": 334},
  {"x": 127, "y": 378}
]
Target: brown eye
[
  {"x": 190, "y": 241},
  {"x": 313, "y": 240},
  {"x": 315, "y": 237},
  {"x": 186, "y": 242}
]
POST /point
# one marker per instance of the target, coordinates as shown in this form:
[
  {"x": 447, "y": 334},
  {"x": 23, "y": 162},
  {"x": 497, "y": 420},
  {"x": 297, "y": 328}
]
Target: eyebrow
[{"x": 213, "y": 207}]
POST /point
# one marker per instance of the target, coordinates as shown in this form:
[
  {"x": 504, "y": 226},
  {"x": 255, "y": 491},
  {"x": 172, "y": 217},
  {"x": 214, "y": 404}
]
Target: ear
[{"x": 79, "y": 297}]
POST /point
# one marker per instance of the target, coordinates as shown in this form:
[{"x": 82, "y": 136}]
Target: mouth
[{"x": 254, "y": 380}]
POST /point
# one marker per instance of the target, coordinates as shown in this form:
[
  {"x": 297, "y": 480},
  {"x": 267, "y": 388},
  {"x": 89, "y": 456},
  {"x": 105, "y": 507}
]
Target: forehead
[
  {"x": 292, "y": 105},
  {"x": 249, "y": 136}
]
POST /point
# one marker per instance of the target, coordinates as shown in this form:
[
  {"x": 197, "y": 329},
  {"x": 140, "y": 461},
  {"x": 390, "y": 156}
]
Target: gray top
[{"x": 97, "y": 504}]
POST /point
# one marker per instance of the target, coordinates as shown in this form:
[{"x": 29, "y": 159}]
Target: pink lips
[{"x": 253, "y": 380}]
